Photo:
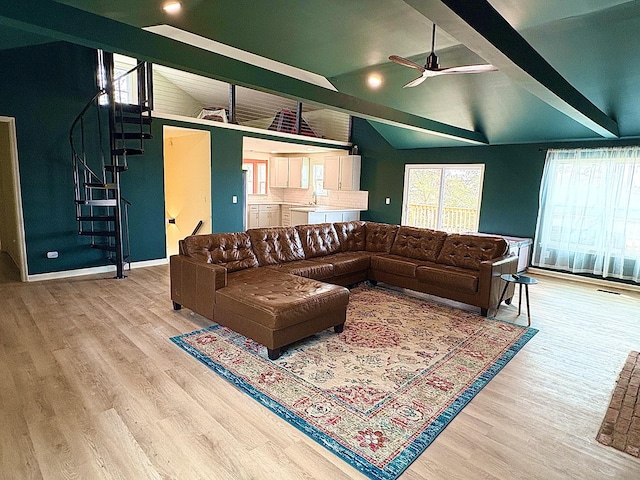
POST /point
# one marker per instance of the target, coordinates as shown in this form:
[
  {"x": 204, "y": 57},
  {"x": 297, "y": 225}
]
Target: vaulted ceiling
[{"x": 567, "y": 70}]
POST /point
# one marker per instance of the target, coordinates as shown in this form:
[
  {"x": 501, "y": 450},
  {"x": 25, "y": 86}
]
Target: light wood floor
[{"x": 91, "y": 388}]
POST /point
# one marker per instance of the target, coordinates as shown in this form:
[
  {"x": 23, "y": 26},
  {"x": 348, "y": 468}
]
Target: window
[
  {"x": 317, "y": 172},
  {"x": 256, "y": 176},
  {"x": 125, "y": 88},
  {"x": 443, "y": 197},
  {"x": 589, "y": 218}
]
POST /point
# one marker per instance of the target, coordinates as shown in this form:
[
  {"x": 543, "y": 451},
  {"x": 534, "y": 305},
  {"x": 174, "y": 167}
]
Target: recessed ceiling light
[
  {"x": 172, "y": 7},
  {"x": 374, "y": 80}
]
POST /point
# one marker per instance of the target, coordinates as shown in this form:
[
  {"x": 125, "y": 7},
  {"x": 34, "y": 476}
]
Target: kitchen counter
[{"x": 322, "y": 208}]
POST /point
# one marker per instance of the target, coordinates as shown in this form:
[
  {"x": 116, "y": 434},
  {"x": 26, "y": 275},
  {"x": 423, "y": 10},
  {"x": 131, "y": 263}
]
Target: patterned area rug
[
  {"x": 621, "y": 426},
  {"x": 379, "y": 393}
]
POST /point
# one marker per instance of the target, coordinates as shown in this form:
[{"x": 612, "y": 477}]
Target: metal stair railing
[{"x": 101, "y": 211}]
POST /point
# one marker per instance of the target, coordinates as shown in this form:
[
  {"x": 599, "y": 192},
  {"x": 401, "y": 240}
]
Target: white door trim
[{"x": 15, "y": 171}]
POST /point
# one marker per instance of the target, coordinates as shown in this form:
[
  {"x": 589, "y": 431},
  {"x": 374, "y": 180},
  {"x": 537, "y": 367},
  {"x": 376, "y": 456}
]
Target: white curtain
[{"x": 589, "y": 217}]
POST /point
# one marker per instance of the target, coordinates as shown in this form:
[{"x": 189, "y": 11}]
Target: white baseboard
[
  {"x": 578, "y": 278},
  {"x": 92, "y": 270}
]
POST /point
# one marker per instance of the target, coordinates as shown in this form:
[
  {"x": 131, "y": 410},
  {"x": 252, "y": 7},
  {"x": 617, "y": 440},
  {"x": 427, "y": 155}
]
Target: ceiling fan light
[{"x": 374, "y": 81}]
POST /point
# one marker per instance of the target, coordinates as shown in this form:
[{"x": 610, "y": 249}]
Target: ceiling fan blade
[
  {"x": 416, "y": 82},
  {"x": 405, "y": 62},
  {"x": 468, "y": 69}
]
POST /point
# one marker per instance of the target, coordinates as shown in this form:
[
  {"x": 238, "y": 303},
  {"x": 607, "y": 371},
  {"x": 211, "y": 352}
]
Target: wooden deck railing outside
[{"x": 454, "y": 220}]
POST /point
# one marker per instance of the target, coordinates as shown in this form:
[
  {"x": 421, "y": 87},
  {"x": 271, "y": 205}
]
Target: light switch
[{"x": 387, "y": 200}]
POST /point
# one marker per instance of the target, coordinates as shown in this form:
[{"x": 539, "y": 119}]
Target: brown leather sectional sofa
[{"x": 279, "y": 285}]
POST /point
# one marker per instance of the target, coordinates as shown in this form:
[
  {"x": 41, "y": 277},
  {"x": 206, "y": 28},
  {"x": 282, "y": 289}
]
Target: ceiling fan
[{"x": 432, "y": 69}]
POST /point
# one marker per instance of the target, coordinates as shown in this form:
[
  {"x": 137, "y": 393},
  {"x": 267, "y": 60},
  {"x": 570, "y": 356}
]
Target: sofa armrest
[
  {"x": 490, "y": 284},
  {"x": 194, "y": 284}
]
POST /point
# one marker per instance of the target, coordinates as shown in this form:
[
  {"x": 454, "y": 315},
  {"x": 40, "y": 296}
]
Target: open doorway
[
  {"x": 13, "y": 257},
  {"x": 187, "y": 183}
]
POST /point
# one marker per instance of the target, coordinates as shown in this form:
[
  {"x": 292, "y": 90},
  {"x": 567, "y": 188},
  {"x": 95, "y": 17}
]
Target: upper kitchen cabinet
[
  {"x": 342, "y": 173},
  {"x": 288, "y": 172}
]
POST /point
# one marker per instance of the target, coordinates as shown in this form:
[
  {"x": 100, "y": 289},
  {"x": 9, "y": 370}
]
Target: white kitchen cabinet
[
  {"x": 299, "y": 218},
  {"x": 279, "y": 172},
  {"x": 342, "y": 172},
  {"x": 289, "y": 172},
  {"x": 264, "y": 216},
  {"x": 285, "y": 215},
  {"x": 252, "y": 221},
  {"x": 269, "y": 216},
  {"x": 299, "y": 172}
]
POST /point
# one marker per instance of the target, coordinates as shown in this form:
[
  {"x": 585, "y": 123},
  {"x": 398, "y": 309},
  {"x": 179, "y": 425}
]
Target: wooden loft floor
[{"x": 91, "y": 388}]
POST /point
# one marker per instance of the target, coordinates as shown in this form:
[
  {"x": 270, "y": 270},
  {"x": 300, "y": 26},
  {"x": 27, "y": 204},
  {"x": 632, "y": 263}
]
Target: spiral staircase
[{"x": 103, "y": 136}]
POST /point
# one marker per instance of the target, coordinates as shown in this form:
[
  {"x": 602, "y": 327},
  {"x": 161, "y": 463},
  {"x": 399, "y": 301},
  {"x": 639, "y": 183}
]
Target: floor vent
[{"x": 609, "y": 291}]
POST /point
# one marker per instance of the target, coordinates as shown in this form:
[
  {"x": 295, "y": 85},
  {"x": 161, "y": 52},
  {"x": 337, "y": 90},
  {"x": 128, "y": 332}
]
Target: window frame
[
  {"x": 442, "y": 167},
  {"x": 255, "y": 181}
]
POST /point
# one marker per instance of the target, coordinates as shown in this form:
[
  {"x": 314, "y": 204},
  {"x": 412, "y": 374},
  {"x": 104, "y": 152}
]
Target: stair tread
[
  {"x": 107, "y": 186},
  {"x": 132, "y": 136},
  {"x": 97, "y": 233},
  {"x": 128, "y": 151},
  {"x": 96, "y": 218},
  {"x": 131, "y": 108},
  {"x": 144, "y": 120},
  {"x": 119, "y": 168},
  {"x": 107, "y": 202}
]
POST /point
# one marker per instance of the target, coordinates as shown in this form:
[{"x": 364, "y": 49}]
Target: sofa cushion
[
  {"x": 278, "y": 300},
  {"x": 318, "y": 239},
  {"x": 351, "y": 235},
  {"x": 276, "y": 245},
  {"x": 419, "y": 243},
  {"x": 231, "y": 250},
  {"x": 462, "y": 279},
  {"x": 468, "y": 251},
  {"x": 317, "y": 270},
  {"x": 396, "y": 265},
  {"x": 379, "y": 236},
  {"x": 345, "y": 263}
]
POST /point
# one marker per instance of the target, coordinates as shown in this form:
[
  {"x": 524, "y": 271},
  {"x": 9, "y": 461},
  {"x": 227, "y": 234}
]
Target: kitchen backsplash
[{"x": 334, "y": 198}]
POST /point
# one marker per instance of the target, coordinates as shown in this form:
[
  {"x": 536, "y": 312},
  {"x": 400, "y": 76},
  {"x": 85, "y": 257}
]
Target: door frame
[
  {"x": 17, "y": 197},
  {"x": 186, "y": 131}
]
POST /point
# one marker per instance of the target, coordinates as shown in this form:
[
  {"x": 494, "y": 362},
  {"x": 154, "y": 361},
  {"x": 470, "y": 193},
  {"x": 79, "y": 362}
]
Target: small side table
[{"x": 520, "y": 280}]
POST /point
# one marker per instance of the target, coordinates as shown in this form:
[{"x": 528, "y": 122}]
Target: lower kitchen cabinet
[
  {"x": 264, "y": 216},
  {"x": 332, "y": 216}
]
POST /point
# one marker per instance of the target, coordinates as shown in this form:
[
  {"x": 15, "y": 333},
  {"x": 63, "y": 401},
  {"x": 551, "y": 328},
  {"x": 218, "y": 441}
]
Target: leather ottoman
[{"x": 276, "y": 309}]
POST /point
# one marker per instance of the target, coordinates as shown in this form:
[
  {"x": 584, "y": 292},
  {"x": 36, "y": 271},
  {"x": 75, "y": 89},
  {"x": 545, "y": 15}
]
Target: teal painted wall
[
  {"x": 48, "y": 87},
  {"x": 511, "y": 179},
  {"x": 44, "y": 87},
  {"x": 226, "y": 179}
]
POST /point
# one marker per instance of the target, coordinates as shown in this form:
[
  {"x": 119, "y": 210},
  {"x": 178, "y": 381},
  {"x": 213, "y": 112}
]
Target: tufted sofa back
[
  {"x": 231, "y": 250},
  {"x": 467, "y": 251},
  {"x": 418, "y": 243},
  {"x": 351, "y": 235},
  {"x": 379, "y": 236},
  {"x": 274, "y": 245},
  {"x": 318, "y": 239}
]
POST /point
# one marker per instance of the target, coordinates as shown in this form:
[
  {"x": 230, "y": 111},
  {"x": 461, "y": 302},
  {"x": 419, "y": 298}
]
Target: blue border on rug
[{"x": 404, "y": 459}]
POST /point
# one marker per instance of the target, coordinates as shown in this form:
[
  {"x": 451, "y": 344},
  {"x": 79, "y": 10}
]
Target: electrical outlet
[{"x": 234, "y": 199}]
